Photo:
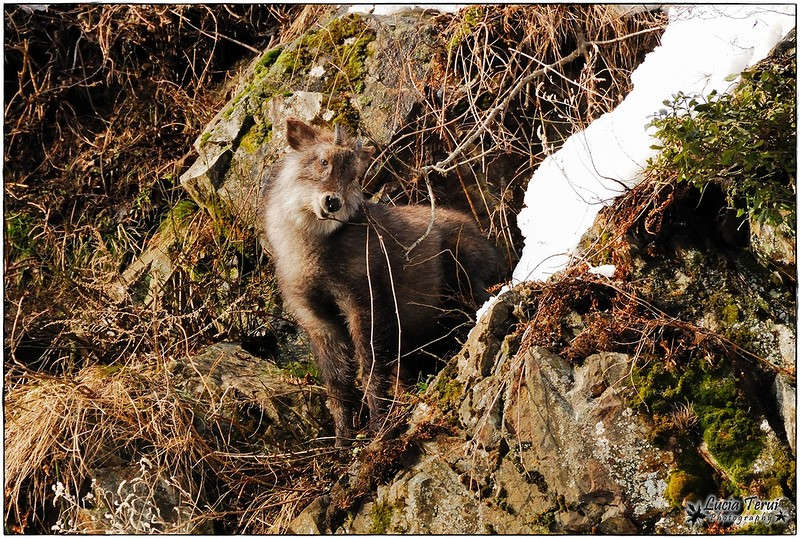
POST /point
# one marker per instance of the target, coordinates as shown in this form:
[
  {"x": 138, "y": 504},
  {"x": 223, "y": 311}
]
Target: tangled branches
[{"x": 510, "y": 87}]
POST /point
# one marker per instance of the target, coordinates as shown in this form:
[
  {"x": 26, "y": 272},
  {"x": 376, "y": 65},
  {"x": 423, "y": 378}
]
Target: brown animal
[{"x": 344, "y": 274}]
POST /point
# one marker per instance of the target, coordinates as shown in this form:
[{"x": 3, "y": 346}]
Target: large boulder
[
  {"x": 542, "y": 445},
  {"x": 365, "y": 72}
]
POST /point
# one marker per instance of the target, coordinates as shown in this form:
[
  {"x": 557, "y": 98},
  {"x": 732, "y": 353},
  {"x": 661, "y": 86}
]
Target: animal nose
[{"x": 332, "y": 204}]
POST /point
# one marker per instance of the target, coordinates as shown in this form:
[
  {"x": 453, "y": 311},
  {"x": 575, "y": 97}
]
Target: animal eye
[{"x": 324, "y": 162}]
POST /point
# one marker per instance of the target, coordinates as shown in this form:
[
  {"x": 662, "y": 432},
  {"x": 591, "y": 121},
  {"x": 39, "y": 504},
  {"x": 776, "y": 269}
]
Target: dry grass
[
  {"x": 60, "y": 429},
  {"x": 684, "y": 416},
  {"x": 98, "y": 130}
]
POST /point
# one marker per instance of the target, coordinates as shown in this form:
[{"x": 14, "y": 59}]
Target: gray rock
[
  {"x": 786, "y": 398},
  {"x": 576, "y": 458},
  {"x": 775, "y": 244},
  {"x": 429, "y": 498},
  {"x": 215, "y": 150},
  {"x": 311, "y": 519},
  {"x": 787, "y": 345},
  {"x": 587, "y": 445},
  {"x": 226, "y": 375}
]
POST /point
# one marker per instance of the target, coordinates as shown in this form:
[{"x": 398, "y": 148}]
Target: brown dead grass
[{"x": 98, "y": 129}]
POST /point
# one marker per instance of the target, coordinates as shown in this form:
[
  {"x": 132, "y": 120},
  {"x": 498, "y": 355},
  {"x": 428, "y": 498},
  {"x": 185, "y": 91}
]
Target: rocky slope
[
  {"x": 588, "y": 403},
  {"x": 605, "y": 412},
  {"x": 610, "y": 404}
]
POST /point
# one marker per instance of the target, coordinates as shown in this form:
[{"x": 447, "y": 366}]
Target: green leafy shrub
[{"x": 744, "y": 141}]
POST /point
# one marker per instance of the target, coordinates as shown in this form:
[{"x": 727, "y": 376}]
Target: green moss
[
  {"x": 451, "y": 393},
  {"x": 446, "y": 391},
  {"x": 178, "y": 215},
  {"x": 469, "y": 19},
  {"x": 545, "y": 521},
  {"x": 730, "y": 314},
  {"x": 725, "y": 421},
  {"x": 345, "y": 114},
  {"x": 344, "y": 42},
  {"x": 267, "y": 60},
  {"x": 204, "y": 139},
  {"x": 257, "y": 136},
  {"x": 779, "y": 478},
  {"x": 381, "y": 518},
  {"x": 287, "y": 62},
  {"x": 341, "y": 46},
  {"x": 734, "y": 439},
  {"x": 19, "y": 235},
  {"x": 302, "y": 368},
  {"x": 680, "y": 486}
]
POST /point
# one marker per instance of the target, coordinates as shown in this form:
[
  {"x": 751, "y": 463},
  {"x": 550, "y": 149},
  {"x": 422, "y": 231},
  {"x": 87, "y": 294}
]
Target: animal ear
[{"x": 299, "y": 134}]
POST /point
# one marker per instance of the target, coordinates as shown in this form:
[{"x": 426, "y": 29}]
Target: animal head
[{"x": 325, "y": 171}]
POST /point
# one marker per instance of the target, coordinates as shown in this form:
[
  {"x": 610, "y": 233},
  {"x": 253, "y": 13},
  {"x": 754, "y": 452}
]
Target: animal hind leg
[{"x": 374, "y": 356}]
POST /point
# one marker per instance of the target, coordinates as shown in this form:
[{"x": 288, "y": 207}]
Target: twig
[
  {"x": 440, "y": 166},
  {"x": 223, "y": 36},
  {"x": 421, "y": 238}
]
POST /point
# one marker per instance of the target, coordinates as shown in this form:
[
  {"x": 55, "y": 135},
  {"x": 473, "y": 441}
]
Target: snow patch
[{"x": 603, "y": 270}]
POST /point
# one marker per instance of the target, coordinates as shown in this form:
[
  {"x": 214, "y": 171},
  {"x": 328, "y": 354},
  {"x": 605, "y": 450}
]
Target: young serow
[{"x": 346, "y": 274}]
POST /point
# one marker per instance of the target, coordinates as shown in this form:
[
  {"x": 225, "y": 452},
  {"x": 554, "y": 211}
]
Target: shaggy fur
[{"x": 344, "y": 274}]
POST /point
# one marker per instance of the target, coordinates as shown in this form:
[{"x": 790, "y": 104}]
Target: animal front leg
[
  {"x": 333, "y": 353},
  {"x": 334, "y": 358}
]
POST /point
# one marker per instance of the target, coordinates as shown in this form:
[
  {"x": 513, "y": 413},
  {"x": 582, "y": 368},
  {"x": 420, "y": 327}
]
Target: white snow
[
  {"x": 701, "y": 47},
  {"x": 391, "y": 9}
]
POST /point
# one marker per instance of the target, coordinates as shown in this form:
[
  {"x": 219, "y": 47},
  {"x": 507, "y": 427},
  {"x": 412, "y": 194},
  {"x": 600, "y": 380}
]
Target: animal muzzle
[{"x": 332, "y": 203}]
